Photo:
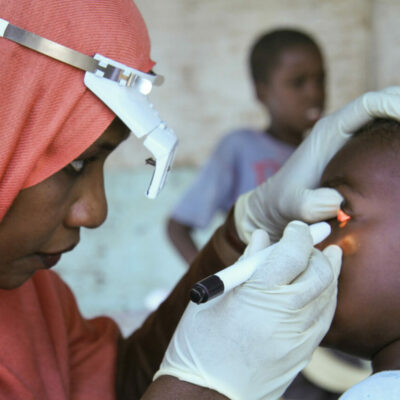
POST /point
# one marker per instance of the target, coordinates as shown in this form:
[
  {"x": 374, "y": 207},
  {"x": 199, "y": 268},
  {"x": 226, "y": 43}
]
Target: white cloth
[{"x": 381, "y": 386}]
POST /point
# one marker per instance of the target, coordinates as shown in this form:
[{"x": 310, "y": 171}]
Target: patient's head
[{"x": 367, "y": 174}]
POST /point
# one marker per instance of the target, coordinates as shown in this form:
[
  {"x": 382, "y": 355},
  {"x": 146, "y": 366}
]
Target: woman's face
[{"x": 44, "y": 221}]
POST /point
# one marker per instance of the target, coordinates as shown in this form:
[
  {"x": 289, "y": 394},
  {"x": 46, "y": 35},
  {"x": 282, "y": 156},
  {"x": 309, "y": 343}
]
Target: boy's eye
[{"x": 298, "y": 82}]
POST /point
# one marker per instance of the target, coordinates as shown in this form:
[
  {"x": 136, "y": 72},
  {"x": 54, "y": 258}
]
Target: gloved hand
[
  {"x": 291, "y": 193},
  {"x": 251, "y": 342}
]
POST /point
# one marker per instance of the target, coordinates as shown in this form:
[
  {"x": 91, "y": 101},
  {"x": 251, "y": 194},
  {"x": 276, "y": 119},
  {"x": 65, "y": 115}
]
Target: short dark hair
[
  {"x": 265, "y": 51},
  {"x": 384, "y": 131}
]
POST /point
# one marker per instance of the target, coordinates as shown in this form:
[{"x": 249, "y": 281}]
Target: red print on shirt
[{"x": 264, "y": 169}]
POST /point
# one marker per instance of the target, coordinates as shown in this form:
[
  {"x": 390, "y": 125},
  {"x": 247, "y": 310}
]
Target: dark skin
[
  {"x": 366, "y": 172},
  {"x": 170, "y": 388},
  {"x": 180, "y": 236},
  {"x": 294, "y": 93},
  {"x": 294, "y": 96},
  {"x": 45, "y": 220}
]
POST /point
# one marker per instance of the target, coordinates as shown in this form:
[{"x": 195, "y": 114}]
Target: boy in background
[{"x": 288, "y": 74}]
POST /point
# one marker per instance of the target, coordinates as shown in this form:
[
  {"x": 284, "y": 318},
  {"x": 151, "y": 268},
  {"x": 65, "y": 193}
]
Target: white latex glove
[
  {"x": 251, "y": 342},
  {"x": 291, "y": 193}
]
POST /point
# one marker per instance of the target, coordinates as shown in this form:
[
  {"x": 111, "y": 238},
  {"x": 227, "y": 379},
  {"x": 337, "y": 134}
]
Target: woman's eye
[{"x": 77, "y": 165}]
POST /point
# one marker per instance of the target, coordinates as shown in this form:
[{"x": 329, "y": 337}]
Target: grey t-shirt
[{"x": 242, "y": 160}]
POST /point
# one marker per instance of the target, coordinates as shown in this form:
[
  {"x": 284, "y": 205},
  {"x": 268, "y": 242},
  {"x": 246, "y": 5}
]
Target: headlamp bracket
[{"x": 123, "y": 89}]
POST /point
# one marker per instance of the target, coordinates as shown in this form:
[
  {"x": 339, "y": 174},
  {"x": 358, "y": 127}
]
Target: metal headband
[{"x": 73, "y": 57}]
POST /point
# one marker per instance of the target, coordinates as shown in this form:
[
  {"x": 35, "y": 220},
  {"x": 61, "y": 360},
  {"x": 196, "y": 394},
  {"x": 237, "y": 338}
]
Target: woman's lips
[{"x": 49, "y": 260}]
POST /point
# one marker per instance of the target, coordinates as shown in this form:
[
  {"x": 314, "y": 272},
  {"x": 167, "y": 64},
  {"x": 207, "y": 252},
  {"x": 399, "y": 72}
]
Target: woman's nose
[{"x": 89, "y": 208}]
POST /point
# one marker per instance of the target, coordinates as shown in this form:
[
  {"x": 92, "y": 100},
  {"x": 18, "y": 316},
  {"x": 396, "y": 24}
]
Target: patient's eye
[{"x": 343, "y": 218}]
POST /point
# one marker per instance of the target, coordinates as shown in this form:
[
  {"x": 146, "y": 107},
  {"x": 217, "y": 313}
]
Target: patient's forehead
[
  {"x": 366, "y": 172},
  {"x": 370, "y": 158}
]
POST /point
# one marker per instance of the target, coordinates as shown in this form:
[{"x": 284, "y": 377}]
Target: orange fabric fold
[
  {"x": 47, "y": 115},
  {"x": 48, "y": 351}
]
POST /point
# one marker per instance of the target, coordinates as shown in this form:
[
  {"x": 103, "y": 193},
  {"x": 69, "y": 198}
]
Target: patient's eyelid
[{"x": 344, "y": 204}]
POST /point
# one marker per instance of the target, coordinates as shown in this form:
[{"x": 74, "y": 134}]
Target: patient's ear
[{"x": 261, "y": 90}]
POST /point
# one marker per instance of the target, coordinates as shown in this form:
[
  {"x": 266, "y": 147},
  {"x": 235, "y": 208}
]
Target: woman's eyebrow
[
  {"x": 97, "y": 148},
  {"x": 110, "y": 146},
  {"x": 107, "y": 146}
]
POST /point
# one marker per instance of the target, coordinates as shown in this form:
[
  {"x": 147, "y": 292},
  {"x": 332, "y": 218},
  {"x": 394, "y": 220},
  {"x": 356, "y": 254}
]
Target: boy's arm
[
  {"x": 140, "y": 355},
  {"x": 180, "y": 236},
  {"x": 210, "y": 192}
]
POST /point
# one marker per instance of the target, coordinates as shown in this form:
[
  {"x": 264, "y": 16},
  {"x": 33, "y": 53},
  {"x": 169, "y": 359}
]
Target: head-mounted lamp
[{"x": 123, "y": 89}]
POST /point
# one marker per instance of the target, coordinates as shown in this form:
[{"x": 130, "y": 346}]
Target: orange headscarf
[{"x": 47, "y": 115}]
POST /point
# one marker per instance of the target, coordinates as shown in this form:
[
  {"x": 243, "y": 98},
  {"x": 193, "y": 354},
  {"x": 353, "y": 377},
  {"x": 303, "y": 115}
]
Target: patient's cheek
[
  {"x": 348, "y": 244},
  {"x": 346, "y": 241}
]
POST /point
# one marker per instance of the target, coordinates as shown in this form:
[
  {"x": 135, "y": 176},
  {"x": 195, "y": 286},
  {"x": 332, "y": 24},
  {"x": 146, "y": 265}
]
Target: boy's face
[
  {"x": 295, "y": 91},
  {"x": 367, "y": 174}
]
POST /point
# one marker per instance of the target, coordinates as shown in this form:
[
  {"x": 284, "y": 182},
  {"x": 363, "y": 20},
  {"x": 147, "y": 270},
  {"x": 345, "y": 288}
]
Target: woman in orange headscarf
[{"x": 55, "y": 137}]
